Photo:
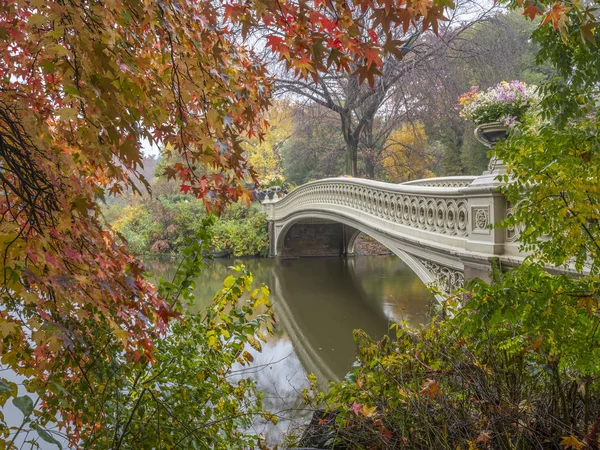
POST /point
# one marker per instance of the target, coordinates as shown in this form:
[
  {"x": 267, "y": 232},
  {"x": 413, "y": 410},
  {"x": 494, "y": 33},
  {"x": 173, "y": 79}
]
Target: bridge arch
[{"x": 437, "y": 268}]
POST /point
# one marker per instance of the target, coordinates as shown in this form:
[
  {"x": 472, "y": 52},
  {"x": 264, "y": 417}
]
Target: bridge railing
[{"x": 460, "y": 181}]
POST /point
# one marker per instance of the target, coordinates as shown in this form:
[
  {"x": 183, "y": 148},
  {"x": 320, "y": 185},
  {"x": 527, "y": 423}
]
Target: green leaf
[
  {"x": 45, "y": 435},
  {"x": 5, "y": 387},
  {"x": 25, "y": 404}
]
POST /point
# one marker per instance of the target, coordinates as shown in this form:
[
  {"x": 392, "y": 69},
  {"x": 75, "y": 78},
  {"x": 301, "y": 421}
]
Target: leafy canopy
[{"x": 84, "y": 84}]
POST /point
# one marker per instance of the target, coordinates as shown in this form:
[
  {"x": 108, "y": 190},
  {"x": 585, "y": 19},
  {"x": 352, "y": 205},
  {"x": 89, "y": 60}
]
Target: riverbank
[{"x": 367, "y": 246}]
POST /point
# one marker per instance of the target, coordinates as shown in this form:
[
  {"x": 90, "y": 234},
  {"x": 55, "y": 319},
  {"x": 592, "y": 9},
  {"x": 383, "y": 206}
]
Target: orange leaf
[
  {"x": 483, "y": 438},
  {"x": 431, "y": 388},
  {"x": 536, "y": 345},
  {"x": 555, "y": 14},
  {"x": 531, "y": 11}
]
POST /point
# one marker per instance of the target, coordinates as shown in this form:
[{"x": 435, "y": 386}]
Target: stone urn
[{"x": 489, "y": 134}]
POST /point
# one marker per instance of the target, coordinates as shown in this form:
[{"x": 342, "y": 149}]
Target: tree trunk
[
  {"x": 369, "y": 169},
  {"x": 351, "y": 145},
  {"x": 369, "y": 150}
]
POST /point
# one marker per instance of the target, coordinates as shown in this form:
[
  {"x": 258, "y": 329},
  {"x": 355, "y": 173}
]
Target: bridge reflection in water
[{"x": 320, "y": 302}]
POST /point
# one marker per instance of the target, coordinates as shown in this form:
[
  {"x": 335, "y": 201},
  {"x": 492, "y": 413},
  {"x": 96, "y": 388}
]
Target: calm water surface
[{"x": 317, "y": 304}]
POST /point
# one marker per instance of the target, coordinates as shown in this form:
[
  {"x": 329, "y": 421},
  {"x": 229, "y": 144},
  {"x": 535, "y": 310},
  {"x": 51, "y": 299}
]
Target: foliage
[
  {"x": 84, "y": 84},
  {"x": 316, "y": 148},
  {"x": 505, "y": 102},
  {"x": 511, "y": 364},
  {"x": 241, "y": 233},
  {"x": 499, "y": 48},
  {"x": 166, "y": 223},
  {"x": 265, "y": 155},
  {"x": 555, "y": 191},
  {"x": 407, "y": 156},
  {"x": 275, "y": 180},
  {"x": 186, "y": 396},
  {"x": 507, "y": 370}
]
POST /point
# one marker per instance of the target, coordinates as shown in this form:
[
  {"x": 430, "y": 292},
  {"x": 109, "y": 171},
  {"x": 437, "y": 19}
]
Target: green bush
[
  {"x": 164, "y": 224},
  {"x": 242, "y": 233}
]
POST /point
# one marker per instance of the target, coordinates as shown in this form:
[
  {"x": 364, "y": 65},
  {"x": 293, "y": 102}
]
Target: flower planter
[{"x": 490, "y": 133}]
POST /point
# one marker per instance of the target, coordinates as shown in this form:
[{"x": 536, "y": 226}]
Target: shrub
[{"x": 514, "y": 367}]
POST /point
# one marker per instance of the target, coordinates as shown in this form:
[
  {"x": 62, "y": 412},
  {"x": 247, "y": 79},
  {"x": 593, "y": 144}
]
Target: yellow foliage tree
[
  {"x": 265, "y": 156},
  {"x": 406, "y": 154}
]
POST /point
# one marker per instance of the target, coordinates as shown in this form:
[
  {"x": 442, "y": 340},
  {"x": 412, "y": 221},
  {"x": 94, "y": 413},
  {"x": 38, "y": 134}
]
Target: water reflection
[{"x": 317, "y": 303}]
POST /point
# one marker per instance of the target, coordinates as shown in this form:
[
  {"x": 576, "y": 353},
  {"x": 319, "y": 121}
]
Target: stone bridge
[{"x": 440, "y": 227}]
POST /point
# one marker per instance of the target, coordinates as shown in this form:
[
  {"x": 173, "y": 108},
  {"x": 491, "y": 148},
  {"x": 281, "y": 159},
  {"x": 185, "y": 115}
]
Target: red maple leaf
[{"x": 531, "y": 11}]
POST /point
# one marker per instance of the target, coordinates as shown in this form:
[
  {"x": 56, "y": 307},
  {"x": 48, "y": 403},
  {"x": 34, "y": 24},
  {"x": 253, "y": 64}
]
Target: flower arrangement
[
  {"x": 505, "y": 102},
  {"x": 274, "y": 180}
]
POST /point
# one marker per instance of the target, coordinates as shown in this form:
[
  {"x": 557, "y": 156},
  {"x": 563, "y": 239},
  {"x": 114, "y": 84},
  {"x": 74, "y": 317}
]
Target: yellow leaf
[
  {"x": 571, "y": 442},
  {"x": 212, "y": 116},
  {"x": 212, "y": 342},
  {"x": 247, "y": 356},
  {"x": 8, "y": 328},
  {"x": 66, "y": 113},
  {"x": 35, "y": 20},
  {"x": 589, "y": 303},
  {"x": 369, "y": 412},
  {"x": 229, "y": 281}
]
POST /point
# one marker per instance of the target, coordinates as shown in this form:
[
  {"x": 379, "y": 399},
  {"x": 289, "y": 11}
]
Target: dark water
[{"x": 317, "y": 303}]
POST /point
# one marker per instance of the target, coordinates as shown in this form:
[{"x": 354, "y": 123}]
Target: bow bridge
[{"x": 440, "y": 227}]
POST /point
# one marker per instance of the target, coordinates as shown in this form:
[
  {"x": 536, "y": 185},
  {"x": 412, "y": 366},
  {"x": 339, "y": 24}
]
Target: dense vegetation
[
  {"x": 154, "y": 225},
  {"x": 96, "y": 356},
  {"x": 512, "y": 364}
]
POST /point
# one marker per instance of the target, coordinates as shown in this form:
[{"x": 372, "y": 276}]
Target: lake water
[{"x": 317, "y": 303}]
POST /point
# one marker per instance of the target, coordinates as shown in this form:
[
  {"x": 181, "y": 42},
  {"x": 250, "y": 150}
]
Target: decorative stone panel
[
  {"x": 446, "y": 278},
  {"x": 481, "y": 219},
  {"x": 513, "y": 232}
]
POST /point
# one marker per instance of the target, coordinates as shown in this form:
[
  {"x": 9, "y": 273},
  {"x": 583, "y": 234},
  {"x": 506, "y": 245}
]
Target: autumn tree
[
  {"x": 407, "y": 156},
  {"x": 83, "y": 84},
  {"x": 264, "y": 155},
  {"x": 496, "y": 49},
  {"x": 316, "y": 149}
]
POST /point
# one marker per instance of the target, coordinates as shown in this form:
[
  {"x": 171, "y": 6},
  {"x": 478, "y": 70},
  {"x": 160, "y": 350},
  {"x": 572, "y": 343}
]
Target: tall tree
[
  {"x": 316, "y": 149},
  {"x": 265, "y": 155},
  {"x": 494, "y": 50},
  {"x": 406, "y": 156},
  {"x": 358, "y": 104}
]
